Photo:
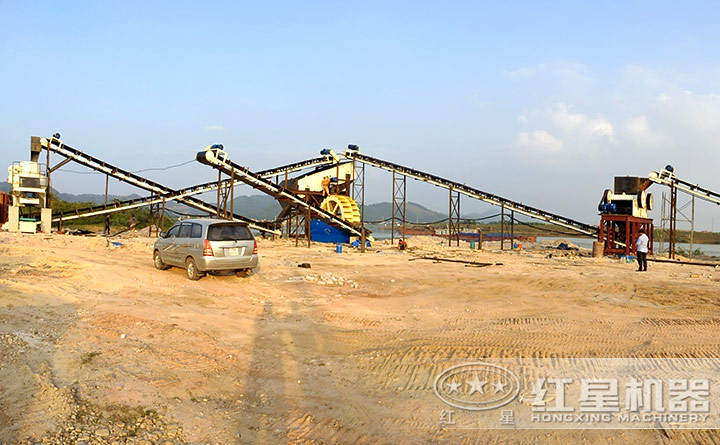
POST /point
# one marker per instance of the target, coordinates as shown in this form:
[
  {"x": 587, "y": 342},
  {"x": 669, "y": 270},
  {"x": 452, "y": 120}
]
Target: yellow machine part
[{"x": 342, "y": 206}]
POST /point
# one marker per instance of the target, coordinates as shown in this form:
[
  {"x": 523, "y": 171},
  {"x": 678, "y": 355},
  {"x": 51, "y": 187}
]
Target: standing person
[
  {"x": 641, "y": 246},
  {"x": 133, "y": 223},
  {"x": 107, "y": 225}
]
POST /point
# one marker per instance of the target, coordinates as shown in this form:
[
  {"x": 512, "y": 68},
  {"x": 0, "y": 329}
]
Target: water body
[{"x": 708, "y": 249}]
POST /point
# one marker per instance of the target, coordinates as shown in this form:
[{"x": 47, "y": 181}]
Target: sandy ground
[{"x": 98, "y": 346}]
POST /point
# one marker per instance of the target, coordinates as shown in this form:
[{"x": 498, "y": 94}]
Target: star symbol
[
  {"x": 499, "y": 387},
  {"x": 476, "y": 385},
  {"x": 453, "y": 386}
]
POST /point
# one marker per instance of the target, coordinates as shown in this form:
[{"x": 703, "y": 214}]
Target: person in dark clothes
[{"x": 107, "y": 225}]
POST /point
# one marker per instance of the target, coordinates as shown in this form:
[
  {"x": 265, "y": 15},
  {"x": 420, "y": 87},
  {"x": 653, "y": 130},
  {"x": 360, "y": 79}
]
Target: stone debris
[
  {"x": 89, "y": 424},
  {"x": 326, "y": 279}
]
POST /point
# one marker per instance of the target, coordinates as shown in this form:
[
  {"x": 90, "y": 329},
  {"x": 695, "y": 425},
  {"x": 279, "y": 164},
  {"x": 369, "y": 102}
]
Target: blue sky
[{"x": 541, "y": 102}]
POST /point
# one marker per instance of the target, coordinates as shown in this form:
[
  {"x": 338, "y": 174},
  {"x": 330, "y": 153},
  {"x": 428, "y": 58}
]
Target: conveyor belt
[
  {"x": 489, "y": 198},
  {"x": 667, "y": 178},
  {"x": 182, "y": 193},
  {"x": 119, "y": 206},
  {"x": 215, "y": 157},
  {"x": 57, "y": 146},
  {"x": 314, "y": 162}
]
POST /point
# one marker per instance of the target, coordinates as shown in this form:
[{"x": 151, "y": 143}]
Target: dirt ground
[{"x": 98, "y": 346}]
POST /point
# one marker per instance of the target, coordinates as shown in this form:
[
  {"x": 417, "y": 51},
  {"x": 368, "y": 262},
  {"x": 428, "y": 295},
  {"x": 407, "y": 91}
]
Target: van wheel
[
  {"x": 191, "y": 268},
  {"x": 159, "y": 264}
]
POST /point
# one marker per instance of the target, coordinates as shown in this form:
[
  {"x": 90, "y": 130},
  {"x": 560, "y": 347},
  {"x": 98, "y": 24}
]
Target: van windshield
[{"x": 229, "y": 232}]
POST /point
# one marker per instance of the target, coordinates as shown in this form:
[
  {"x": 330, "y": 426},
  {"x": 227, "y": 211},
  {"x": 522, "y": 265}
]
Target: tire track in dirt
[
  {"x": 349, "y": 320},
  {"x": 308, "y": 429},
  {"x": 711, "y": 322}
]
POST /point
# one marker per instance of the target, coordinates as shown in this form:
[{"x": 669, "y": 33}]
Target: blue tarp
[{"x": 324, "y": 233}]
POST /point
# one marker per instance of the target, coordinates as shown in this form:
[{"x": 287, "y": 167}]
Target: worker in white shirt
[{"x": 641, "y": 246}]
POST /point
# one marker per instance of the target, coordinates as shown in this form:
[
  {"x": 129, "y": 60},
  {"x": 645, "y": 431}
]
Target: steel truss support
[
  {"x": 673, "y": 222},
  {"x": 669, "y": 219},
  {"x": 358, "y": 187},
  {"x": 153, "y": 220},
  {"x": 454, "y": 218},
  {"x": 225, "y": 193},
  {"x": 299, "y": 222},
  {"x": 358, "y": 194},
  {"x": 512, "y": 229},
  {"x": 399, "y": 207},
  {"x": 502, "y": 227},
  {"x": 157, "y": 217}
]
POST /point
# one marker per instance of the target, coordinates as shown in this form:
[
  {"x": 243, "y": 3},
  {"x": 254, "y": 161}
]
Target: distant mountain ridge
[
  {"x": 265, "y": 207},
  {"x": 414, "y": 212},
  {"x": 85, "y": 197}
]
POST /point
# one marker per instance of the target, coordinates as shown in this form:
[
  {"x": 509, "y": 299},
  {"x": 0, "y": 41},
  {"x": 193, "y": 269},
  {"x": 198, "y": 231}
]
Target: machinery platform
[{"x": 619, "y": 233}]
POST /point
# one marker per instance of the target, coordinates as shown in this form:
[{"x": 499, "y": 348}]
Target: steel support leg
[
  {"x": 162, "y": 218},
  {"x": 308, "y": 221},
  {"x": 151, "y": 216},
  {"x": 673, "y": 221},
  {"x": 399, "y": 207},
  {"x": 358, "y": 194},
  {"x": 692, "y": 226},
  {"x": 454, "y": 218},
  {"x": 512, "y": 229},
  {"x": 502, "y": 227}
]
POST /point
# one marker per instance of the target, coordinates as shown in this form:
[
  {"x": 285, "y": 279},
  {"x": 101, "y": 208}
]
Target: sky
[{"x": 538, "y": 102}]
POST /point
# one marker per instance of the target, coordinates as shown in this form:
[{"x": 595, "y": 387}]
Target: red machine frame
[
  {"x": 613, "y": 227},
  {"x": 5, "y": 202}
]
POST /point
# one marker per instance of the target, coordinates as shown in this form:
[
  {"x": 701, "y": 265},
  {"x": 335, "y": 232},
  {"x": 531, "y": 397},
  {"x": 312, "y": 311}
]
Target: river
[{"x": 707, "y": 249}]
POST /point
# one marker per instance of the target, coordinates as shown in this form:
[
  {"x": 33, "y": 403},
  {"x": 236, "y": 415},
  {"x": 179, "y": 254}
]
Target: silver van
[{"x": 204, "y": 245}]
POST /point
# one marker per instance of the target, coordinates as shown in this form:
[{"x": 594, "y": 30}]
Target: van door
[
  {"x": 195, "y": 242},
  {"x": 168, "y": 247},
  {"x": 182, "y": 242}
]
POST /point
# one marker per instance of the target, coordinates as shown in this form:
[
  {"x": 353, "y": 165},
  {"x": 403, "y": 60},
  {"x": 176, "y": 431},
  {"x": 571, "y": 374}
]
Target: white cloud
[
  {"x": 646, "y": 116},
  {"x": 524, "y": 71},
  {"x": 563, "y": 70},
  {"x": 214, "y": 128},
  {"x": 638, "y": 130},
  {"x": 539, "y": 139},
  {"x": 580, "y": 124},
  {"x": 699, "y": 112}
]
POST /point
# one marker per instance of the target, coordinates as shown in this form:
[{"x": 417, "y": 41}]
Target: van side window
[
  {"x": 174, "y": 230},
  {"x": 196, "y": 231},
  {"x": 184, "y": 231}
]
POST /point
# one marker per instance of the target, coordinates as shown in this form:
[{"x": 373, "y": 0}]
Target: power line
[
  {"x": 164, "y": 168},
  {"x": 545, "y": 229},
  {"x": 135, "y": 171},
  {"x": 435, "y": 222}
]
